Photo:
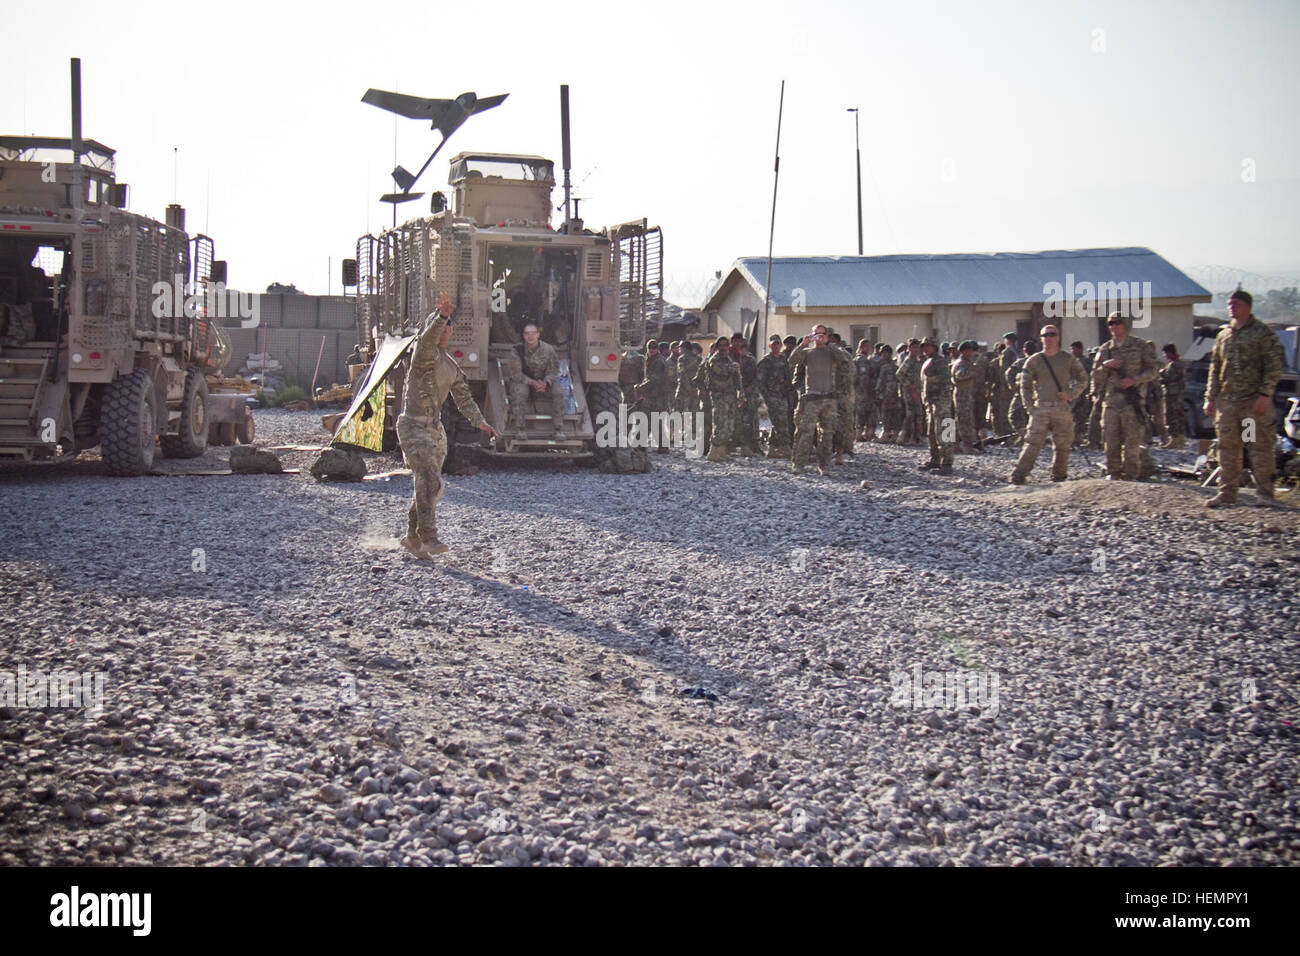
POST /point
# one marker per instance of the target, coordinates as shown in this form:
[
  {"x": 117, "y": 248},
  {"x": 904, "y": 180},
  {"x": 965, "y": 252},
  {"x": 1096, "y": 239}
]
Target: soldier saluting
[{"x": 432, "y": 375}]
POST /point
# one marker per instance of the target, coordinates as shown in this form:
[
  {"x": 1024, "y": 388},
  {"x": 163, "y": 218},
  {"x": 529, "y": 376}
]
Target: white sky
[{"x": 989, "y": 126}]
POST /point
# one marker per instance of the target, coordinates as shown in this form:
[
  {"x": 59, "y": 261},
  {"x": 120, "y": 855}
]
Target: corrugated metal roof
[{"x": 959, "y": 279}]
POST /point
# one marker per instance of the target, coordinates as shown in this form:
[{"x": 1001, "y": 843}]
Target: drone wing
[{"x": 413, "y": 107}]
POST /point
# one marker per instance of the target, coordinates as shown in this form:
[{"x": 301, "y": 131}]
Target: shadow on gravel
[{"x": 689, "y": 669}]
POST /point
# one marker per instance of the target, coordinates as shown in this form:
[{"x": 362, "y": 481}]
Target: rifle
[
  {"x": 994, "y": 440},
  {"x": 1139, "y": 409}
]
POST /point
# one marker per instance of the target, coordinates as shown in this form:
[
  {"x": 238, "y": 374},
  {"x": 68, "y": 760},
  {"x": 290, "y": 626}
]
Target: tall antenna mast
[
  {"x": 771, "y": 236},
  {"x": 564, "y": 145}
]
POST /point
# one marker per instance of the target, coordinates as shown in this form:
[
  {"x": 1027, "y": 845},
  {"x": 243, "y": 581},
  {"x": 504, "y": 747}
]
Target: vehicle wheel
[
  {"x": 128, "y": 425},
  {"x": 192, "y": 439},
  {"x": 244, "y": 431},
  {"x": 602, "y": 397}
]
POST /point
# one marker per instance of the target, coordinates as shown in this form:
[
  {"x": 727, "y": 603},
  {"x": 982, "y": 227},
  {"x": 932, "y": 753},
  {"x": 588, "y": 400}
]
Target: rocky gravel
[{"x": 704, "y": 665}]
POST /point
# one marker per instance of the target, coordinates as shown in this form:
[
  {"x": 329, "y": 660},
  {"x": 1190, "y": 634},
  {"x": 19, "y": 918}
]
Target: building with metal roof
[{"x": 960, "y": 296}]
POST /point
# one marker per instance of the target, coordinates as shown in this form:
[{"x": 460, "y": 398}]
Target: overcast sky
[{"x": 990, "y": 126}]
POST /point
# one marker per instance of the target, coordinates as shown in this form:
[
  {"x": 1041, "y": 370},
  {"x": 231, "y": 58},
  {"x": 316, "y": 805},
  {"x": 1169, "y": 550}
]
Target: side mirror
[
  {"x": 218, "y": 271},
  {"x": 437, "y": 202},
  {"x": 349, "y": 272},
  {"x": 117, "y": 195}
]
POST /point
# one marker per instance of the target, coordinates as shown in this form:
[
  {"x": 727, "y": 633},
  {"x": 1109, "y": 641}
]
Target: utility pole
[{"x": 858, "y": 144}]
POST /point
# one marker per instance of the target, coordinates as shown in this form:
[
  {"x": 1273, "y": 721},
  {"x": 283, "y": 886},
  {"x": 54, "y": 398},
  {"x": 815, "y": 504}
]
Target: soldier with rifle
[{"x": 1122, "y": 364}]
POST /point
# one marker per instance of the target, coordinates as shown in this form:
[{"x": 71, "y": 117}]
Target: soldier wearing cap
[
  {"x": 1050, "y": 381},
  {"x": 1173, "y": 383},
  {"x": 936, "y": 392},
  {"x": 1123, "y": 365},
  {"x": 1245, "y": 366},
  {"x": 1001, "y": 395},
  {"x": 866, "y": 366},
  {"x": 981, "y": 387},
  {"x": 432, "y": 375},
  {"x": 909, "y": 393},
  {"x": 887, "y": 397},
  {"x": 963, "y": 380},
  {"x": 686, "y": 397},
  {"x": 773, "y": 375},
  {"x": 719, "y": 380}
]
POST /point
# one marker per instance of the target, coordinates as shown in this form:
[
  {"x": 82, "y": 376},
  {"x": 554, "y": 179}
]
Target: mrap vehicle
[
  {"x": 90, "y": 352},
  {"x": 491, "y": 247}
]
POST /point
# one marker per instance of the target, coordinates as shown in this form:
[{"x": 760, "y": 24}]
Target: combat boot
[
  {"x": 430, "y": 548},
  {"x": 1265, "y": 494},
  {"x": 1176, "y": 442},
  {"x": 1221, "y": 500},
  {"x": 1016, "y": 479},
  {"x": 412, "y": 545}
]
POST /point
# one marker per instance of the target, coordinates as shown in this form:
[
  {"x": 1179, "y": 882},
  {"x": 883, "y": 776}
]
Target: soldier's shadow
[{"x": 669, "y": 653}]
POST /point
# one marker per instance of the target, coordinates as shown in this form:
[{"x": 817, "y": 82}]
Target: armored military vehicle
[
  {"x": 491, "y": 246},
  {"x": 92, "y": 352}
]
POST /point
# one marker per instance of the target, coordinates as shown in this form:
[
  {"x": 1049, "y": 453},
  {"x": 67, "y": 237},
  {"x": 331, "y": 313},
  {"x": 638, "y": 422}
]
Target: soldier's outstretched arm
[{"x": 464, "y": 399}]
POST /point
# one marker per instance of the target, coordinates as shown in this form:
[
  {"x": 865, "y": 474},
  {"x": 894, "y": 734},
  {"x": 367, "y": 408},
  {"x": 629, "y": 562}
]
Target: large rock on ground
[
  {"x": 251, "y": 460},
  {"x": 626, "y": 461},
  {"x": 338, "y": 464}
]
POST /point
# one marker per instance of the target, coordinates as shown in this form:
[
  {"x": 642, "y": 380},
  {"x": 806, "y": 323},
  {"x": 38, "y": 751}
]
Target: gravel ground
[{"x": 300, "y": 691}]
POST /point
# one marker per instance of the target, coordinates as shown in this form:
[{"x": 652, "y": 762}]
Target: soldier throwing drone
[{"x": 433, "y": 374}]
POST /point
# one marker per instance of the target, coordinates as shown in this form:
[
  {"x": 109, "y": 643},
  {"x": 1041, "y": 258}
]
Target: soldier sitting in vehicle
[{"x": 538, "y": 368}]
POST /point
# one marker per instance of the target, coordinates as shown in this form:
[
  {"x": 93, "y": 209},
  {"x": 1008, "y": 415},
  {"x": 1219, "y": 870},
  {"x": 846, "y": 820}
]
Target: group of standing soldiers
[{"x": 821, "y": 396}]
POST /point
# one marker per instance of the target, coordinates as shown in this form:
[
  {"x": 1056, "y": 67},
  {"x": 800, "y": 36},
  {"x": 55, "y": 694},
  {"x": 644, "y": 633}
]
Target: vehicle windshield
[{"x": 505, "y": 167}]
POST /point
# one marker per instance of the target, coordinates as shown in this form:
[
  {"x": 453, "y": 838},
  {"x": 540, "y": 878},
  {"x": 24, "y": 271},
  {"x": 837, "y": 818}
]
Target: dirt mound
[{"x": 1153, "y": 499}]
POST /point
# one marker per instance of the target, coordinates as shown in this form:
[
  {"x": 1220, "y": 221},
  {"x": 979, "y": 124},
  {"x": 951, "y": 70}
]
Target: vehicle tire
[
  {"x": 192, "y": 439},
  {"x": 128, "y": 426},
  {"x": 245, "y": 431},
  {"x": 602, "y": 397}
]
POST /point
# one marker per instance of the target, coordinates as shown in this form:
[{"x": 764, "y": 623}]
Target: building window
[{"x": 859, "y": 332}]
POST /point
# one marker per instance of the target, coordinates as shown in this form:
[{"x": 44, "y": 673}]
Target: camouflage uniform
[
  {"x": 687, "y": 397},
  {"x": 845, "y": 421},
  {"x": 963, "y": 380},
  {"x": 747, "y": 425},
  {"x": 1002, "y": 391},
  {"x": 631, "y": 369},
  {"x": 1155, "y": 401},
  {"x": 656, "y": 388},
  {"x": 543, "y": 365},
  {"x": 1245, "y": 364},
  {"x": 773, "y": 375},
  {"x": 981, "y": 386},
  {"x": 888, "y": 401},
  {"x": 909, "y": 393},
  {"x": 1082, "y": 406},
  {"x": 432, "y": 375},
  {"x": 1018, "y": 416},
  {"x": 1173, "y": 382},
  {"x": 719, "y": 379},
  {"x": 937, "y": 393},
  {"x": 17, "y": 325},
  {"x": 1120, "y": 425},
  {"x": 1038, "y": 391},
  {"x": 865, "y": 369},
  {"x": 815, "y": 416}
]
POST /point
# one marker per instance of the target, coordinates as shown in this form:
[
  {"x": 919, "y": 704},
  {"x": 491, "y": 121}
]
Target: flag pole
[{"x": 771, "y": 235}]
